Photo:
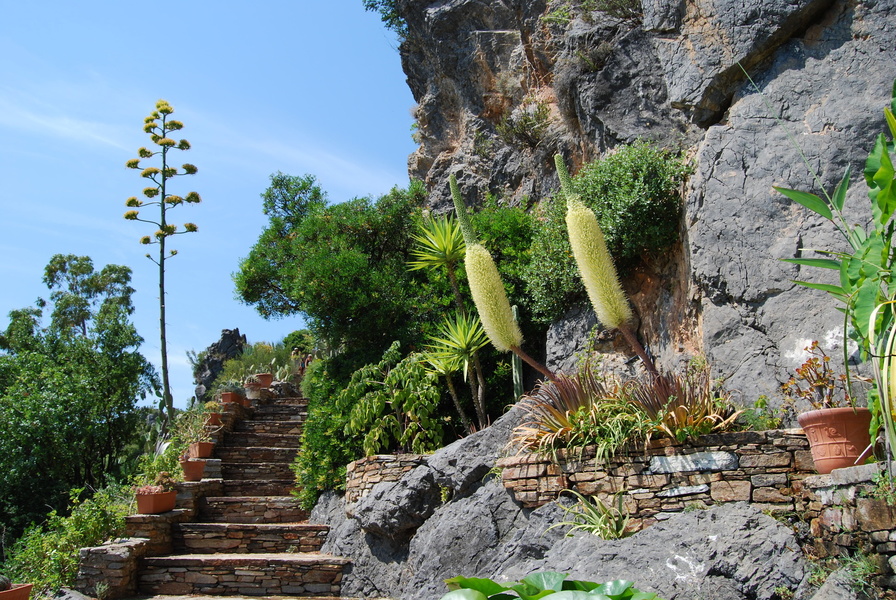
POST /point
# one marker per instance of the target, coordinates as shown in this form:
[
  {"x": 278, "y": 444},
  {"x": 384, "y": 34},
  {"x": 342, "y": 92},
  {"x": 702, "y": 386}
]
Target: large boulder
[{"x": 206, "y": 370}]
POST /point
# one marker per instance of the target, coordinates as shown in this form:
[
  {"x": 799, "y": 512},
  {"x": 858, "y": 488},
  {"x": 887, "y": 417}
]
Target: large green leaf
[
  {"x": 825, "y": 287},
  {"x": 839, "y": 197},
  {"x": 821, "y": 263},
  {"x": 486, "y": 586},
  {"x": 613, "y": 588},
  {"x": 810, "y": 201},
  {"x": 546, "y": 580},
  {"x": 465, "y": 594}
]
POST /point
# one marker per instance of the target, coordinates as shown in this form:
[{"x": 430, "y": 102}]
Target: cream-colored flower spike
[
  {"x": 491, "y": 300},
  {"x": 596, "y": 265}
]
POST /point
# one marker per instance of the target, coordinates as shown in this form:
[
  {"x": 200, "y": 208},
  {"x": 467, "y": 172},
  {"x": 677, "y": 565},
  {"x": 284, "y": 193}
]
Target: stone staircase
[{"x": 248, "y": 536}]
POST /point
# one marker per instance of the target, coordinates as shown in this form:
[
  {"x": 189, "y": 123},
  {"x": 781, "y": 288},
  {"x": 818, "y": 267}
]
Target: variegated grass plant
[{"x": 591, "y": 515}]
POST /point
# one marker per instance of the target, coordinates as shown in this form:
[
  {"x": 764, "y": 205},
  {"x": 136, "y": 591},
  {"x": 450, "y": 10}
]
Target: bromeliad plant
[
  {"x": 539, "y": 585},
  {"x": 575, "y": 411}
]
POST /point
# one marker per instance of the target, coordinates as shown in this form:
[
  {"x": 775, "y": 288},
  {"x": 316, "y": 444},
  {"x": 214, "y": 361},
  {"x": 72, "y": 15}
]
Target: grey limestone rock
[{"x": 230, "y": 345}]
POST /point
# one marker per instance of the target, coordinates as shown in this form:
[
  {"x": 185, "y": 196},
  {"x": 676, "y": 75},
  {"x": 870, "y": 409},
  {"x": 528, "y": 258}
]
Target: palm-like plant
[
  {"x": 440, "y": 244},
  {"x": 446, "y": 365},
  {"x": 459, "y": 339}
]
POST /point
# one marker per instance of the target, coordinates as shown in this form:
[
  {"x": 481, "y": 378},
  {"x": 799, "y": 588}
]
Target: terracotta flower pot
[
  {"x": 265, "y": 379},
  {"x": 201, "y": 449},
  {"x": 154, "y": 504},
  {"x": 19, "y": 591},
  {"x": 193, "y": 469},
  {"x": 230, "y": 397},
  {"x": 213, "y": 420},
  {"x": 837, "y": 436}
]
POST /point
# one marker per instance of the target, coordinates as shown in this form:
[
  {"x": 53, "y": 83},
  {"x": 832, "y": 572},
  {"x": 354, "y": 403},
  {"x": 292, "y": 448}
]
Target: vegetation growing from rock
[{"x": 634, "y": 192}]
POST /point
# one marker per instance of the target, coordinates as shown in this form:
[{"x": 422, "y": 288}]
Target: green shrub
[
  {"x": 47, "y": 555},
  {"x": 326, "y": 450},
  {"x": 634, "y": 192},
  {"x": 392, "y": 405},
  {"x": 260, "y": 357}
]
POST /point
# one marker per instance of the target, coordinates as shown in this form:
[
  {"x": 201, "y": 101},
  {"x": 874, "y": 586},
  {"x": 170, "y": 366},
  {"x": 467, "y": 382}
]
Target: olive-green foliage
[
  {"x": 527, "y": 126},
  {"x": 634, "y": 193},
  {"x": 389, "y": 14},
  {"x": 301, "y": 340},
  {"x": 392, "y": 405},
  {"x": 47, "y": 554},
  {"x": 326, "y": 450},
  {"x": 68, "y": 391}
]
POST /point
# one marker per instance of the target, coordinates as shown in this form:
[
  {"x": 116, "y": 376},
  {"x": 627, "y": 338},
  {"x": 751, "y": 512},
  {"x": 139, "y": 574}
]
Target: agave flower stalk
[
  {"x": 597, "y": 269},
  {"x": 488, "y": 292}
]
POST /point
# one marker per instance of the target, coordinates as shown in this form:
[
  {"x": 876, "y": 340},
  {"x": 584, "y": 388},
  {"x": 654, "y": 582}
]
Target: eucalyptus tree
[{"x": 159, "y": 126}]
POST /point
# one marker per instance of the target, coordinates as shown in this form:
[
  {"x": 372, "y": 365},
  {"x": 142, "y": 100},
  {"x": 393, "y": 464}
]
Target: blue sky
[{"x": 298, "y": 87}]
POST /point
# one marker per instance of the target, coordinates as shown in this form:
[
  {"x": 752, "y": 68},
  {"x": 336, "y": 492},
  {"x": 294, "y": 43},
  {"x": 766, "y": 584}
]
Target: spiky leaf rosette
[
  {"x": 596, "y": 265},
  {"x": 491, "y": 300}
]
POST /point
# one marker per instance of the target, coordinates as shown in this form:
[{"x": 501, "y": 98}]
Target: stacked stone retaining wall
[
  {"x": 363, "y": 474},
  {"x": 761, "y": 467}
]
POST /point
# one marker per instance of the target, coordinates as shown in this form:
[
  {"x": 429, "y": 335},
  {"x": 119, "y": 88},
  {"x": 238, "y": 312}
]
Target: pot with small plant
[
  {"x": 231, "y": 392},
  {"x": 14, "y": 591},
  {"x": 157, "y": 498},
  {"x": 213, "y": 415},
  {"x": 193, "y": 468},
  {"x": 253, "y": 387},
  {"x": 837, "y": 429}
]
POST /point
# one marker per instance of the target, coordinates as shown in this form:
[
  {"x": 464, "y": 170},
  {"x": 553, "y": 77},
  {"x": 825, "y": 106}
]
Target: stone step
[
  {"x": 293, "y": 427},
  {"x": 257, "y": 471},
  {"x": 286, "y": 574},
  {"x": 253, "y": 538},
  {"x": 252, "y": 509},
  {"x": 243, "y": 487},
  {"x": 246, "y": 439},
  {"x": 279, "y": 413},
  {"x": 292, "y": 402},
  {"x": 234, "y": 454}
]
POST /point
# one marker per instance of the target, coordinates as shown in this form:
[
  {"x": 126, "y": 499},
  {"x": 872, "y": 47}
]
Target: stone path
[{"x": 249, "y": 537}]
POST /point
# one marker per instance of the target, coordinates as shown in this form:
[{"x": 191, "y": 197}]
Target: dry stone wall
[
  {"x": 363, "y": 474},
  {"x": 765, "y": 468}
]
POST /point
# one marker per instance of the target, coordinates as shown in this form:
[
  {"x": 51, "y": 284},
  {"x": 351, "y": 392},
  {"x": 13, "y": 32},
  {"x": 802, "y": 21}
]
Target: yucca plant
[
  {"x": 596, "y": 267},
  {"x": 488, "y": 291},
  {"x": 440, "y": 244},
  {"x": 460, "y": 338}
]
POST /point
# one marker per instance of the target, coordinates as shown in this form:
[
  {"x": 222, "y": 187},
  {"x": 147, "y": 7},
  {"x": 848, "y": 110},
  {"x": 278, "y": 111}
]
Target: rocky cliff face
[{"x": 673, "y": 72}]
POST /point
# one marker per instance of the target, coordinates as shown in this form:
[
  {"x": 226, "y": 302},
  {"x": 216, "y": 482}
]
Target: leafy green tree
[
  {"x": 389, "y": 14},
  {"x": 159, "y": 126},
  {"x": 68, "y": 390},
  {"x": 343, "y": 266}
]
